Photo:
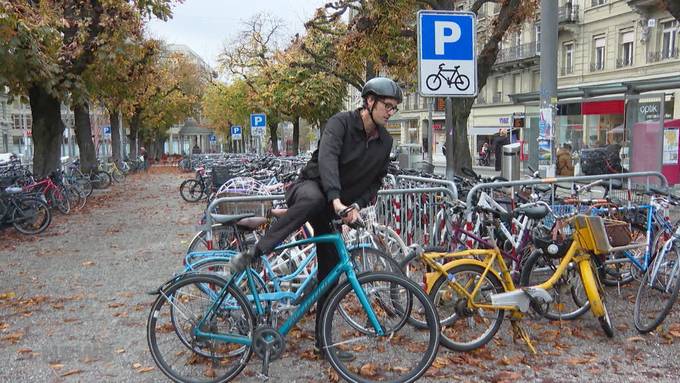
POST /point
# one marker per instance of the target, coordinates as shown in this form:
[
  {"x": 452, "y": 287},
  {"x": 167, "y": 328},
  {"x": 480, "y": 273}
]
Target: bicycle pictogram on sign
[{"x": 459, "y": 80}]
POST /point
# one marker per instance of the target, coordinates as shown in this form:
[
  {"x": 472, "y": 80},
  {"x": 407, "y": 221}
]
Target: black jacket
[{"x": 348, "y": 165}]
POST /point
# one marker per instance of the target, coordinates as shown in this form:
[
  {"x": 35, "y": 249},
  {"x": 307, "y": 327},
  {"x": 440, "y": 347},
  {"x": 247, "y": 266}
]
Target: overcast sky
[{"x": 206, "y": 25}]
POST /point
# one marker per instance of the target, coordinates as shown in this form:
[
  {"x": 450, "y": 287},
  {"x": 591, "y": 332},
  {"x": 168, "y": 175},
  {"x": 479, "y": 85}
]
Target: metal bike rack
[
  {"x": 430, "y": 182},
  {"x": 549, "y": 181}
]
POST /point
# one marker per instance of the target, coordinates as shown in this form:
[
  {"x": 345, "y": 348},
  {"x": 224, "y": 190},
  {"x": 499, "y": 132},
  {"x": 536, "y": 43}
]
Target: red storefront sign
[
  {"x": 437, "y": 126},
  {"x": 602, "y": 107}
]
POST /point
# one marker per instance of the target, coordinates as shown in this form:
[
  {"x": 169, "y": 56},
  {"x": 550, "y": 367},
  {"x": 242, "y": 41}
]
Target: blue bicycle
[{"x": 367, "y": 315}]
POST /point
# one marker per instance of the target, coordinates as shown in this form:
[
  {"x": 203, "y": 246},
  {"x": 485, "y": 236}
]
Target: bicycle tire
[
  {"x": 397, "y": 335},
  {"x": 100, "y": 179},
  {"x": 660, "y": 268},
  {"x": 156, "y": 328},
  {"x": 415, "y": 269},
  {"x": 220, "y": 234},
  {"x": 32, "y": 216},
  {"x": 118, "y": 176},
  {"x": 85, "y": 185},
  {"x": 60, "y": 201},
  {"x": 593, "y": 287},
  {"x": 621, "y": 273},
  {"x": 435, "y": 83},
  {"x": 191, "y": 190},
  {"x": 532, "y": 267},
  {"x": 450, "y": 324},
  {"x": 464, "y": 82}
]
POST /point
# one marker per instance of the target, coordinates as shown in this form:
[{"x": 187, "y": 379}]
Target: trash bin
[{"x": 510, "y": 163}]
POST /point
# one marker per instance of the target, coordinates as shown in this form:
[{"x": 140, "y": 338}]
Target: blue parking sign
[
  {"x": 447, "y": 64},
  {"x": 258, "y": 120},
  {"x": 236, "y": 132}
]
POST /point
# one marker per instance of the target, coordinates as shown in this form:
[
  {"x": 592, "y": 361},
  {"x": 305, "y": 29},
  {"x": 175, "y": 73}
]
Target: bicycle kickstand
[{"x": 519, "y": 332}]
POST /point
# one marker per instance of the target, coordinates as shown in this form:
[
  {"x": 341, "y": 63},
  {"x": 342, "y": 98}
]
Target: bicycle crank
[{"x": 268, "y": 344}]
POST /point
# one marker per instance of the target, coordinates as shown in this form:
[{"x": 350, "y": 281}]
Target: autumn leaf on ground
[
  {"x": 115, "y": 304},
  {"x": 13, "y": 338},
  {"x": 24, "y": 351},
  {"x": 147, "y": 369},
  {"x": 333, "y": 376},
  {"x": 9, "y": 295},
  {"x": 506, "y": 376},
  {"x": 368, "y": 369},
  {"x": 88, "y": 263},
  {"x": 120, "y": 351},
  {"x": 635, "y": 339},
  {"x": 578, "y": 361},
  {"x": 71, "y": 372},
  {"x": 56, "y": 366}
]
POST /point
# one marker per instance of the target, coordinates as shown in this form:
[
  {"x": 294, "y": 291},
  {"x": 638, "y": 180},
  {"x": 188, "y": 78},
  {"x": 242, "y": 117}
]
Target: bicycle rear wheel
[
  {"x": 191, "y": 190},
  {"x": 100, "y": 179},
  {"x": 174, "y": 316},
  {"x": 465, "y": 325},
  {"x": 32, "y": 216},
  {"x": 403, "y": 353},
  {"x": 658, "y": 291}
]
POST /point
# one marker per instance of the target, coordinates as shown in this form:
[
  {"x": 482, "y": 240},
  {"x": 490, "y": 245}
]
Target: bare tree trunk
[
  {"x": 48, "y": 130},
  {"x": 116, "y": 142},
  {"x": 88, "y": 157},
  {"x": 461, "y": 146},
  {"x": 274, "y": 139},
  {"x": 134, "y": 128},
  {"x": 296, "y": 136}
]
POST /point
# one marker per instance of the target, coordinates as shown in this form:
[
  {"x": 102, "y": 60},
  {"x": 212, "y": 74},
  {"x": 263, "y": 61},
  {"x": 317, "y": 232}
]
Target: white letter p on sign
[{"x": 445, "y": 32}]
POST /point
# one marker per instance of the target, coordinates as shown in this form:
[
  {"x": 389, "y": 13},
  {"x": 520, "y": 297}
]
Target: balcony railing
[
  {"x": 497, "y": 98},
  {"x": 653, "y": 57},
  {"x": 517, "y": 52},
  {"x": 621, "y": 63},
  {"x": 568, "y": 13},
  {"x": 567, "y": 70},
  {"x": 594, "y": 67},
  {"x": 481, "y": 100}
]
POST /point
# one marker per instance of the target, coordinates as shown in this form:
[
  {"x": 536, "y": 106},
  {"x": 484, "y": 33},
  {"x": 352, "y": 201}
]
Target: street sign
[
  {"x": 236, "y": 132},
  {"x": 258, "y": 120},
  {"x": 447, "y": 62},
  {"x": 257, "y": 131},
  {"x": 212, "y": 138},
  {"x": 107, "y": 132}
]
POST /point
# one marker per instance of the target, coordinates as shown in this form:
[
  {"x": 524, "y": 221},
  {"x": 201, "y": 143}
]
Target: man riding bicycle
[{"x": 348, "y": 167}]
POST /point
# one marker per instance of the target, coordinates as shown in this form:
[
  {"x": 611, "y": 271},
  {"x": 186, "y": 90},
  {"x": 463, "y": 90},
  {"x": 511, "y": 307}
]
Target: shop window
[
  {"x": 599, "y": 43},
  {"x": 567, "y": 58},
  {"x": 669, "y": 40},
  {"x": 626, "y": 50}
]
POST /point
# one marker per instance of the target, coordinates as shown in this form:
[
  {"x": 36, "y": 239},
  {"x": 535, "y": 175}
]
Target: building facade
[{"x": 618, "y": 66}]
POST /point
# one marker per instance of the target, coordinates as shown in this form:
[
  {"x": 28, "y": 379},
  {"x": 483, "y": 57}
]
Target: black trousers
[{"x": 306, "y": 203}]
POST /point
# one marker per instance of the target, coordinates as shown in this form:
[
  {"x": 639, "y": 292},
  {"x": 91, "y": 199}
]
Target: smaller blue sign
[
  {"x": 212, "y": 138},
  {"x": 107, "y": 130},
  {"x": 236, "y": 132}
]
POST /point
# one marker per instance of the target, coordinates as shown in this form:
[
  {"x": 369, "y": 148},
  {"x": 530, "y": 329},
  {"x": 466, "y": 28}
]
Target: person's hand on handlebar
[{"x": 348, "y": 214}]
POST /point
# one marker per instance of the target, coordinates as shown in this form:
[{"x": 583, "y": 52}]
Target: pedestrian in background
[{"x": 565, "y": 165}]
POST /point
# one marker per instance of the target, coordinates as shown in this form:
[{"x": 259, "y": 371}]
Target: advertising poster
[
  {"x": 543, "y": 150},
  {"x": 670, "y": 146},
  {"x": 545, "y": 123}
]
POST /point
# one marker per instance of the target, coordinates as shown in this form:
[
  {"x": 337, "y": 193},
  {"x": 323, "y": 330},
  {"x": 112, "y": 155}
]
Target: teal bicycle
[{"x": 203, "y": 328}]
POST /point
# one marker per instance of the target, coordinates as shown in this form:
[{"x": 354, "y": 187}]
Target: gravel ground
[{"x": 73, "y": 308}]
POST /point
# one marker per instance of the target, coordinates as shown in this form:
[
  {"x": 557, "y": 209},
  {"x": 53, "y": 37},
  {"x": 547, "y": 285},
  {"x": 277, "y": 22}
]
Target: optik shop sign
[{"x": 651, "y": 111}]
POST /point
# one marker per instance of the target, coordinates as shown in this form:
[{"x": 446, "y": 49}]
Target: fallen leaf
[
  {"x": 56, "y": 366},
  {"x": 71, "y": 372},
  {"x": 13, "y": 338},
  {"x": 136, "y": 365},
  {"x": 506, "y": 376},
  {"x": 88, "y": 263},
  {"x": 120, "y": 351},
  {"x": 115, "y": 304},
  {"x": 9, "y": 295},
  {"x": 369, "y": 370},
  {"x": 24, "y": 351},
  {"x": 147, "y": 369},
  {"x": 635, "y": 339}
]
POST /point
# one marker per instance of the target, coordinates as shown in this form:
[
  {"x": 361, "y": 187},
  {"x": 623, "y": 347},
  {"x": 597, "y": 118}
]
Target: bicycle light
[{"x": 553, "y": 249}]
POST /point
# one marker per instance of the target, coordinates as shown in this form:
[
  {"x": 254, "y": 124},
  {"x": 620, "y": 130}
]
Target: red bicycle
[{"x": 55, "y": 193}]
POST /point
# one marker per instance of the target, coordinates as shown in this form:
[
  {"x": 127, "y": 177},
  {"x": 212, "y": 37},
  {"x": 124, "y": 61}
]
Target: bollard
[{"x": 510, "y": 164}]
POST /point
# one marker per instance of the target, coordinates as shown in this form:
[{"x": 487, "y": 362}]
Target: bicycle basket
[
  {"x": 259, "y": 208},
  {"x": 599, "y": 235}
]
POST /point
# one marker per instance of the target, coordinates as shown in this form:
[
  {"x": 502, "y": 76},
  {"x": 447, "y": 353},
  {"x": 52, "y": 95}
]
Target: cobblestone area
[{"x": 73, "y": 308}]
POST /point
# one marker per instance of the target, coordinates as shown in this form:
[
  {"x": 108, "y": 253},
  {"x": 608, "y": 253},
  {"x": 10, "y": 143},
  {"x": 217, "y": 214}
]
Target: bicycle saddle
[
  {"x": 231, "y": 218},
  {"x": 532, "y": 211}
]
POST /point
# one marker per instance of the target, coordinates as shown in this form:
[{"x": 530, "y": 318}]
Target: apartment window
[
  {"x": 626, "y": 58},
  {"x": 518, "y": 38},
  {"x": 595, "y": 3},
  {"x": 16, "y": 121},
  {"x": 518, "y": 83},
  {"x": 538, "y": 38},
  {"x": 668, "y": 40},
  {"x": 599, "y": 54},
  {"x": 568, "y": 58},
  {"x": 499, "y": 90}
]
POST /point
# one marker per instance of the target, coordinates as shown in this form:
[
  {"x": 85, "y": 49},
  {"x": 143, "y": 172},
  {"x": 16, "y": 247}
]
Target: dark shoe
[
  {"x": 240, "y": 261},
  {"x": 344, "y": 356}
]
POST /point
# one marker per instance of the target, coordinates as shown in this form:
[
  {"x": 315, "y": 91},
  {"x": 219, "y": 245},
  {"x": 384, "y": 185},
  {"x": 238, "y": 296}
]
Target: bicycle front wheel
[
  {"x": 403, "y": 353},
  {"x": 176, "y": 313},
  {"x": 31, "y": 216},
  {"x": 658, "y": 291},
  {"x": 595, "y": 292},
  {"x": 466, "y": 323}
]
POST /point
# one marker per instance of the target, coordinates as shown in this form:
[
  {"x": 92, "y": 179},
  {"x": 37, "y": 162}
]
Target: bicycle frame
[{"x": 343, "y": 267}]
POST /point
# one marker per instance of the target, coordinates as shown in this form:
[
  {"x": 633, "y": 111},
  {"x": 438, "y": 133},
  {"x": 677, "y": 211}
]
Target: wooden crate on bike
[
  {"x": 601, "y": 235},
  {"x": 259, "y": 208}
]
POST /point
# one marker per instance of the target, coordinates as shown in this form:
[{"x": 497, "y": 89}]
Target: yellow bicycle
[{"x": 473, "y": 291}]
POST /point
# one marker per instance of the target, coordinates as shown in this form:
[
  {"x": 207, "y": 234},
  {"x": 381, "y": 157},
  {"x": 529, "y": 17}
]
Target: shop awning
[{"x": 631, "y": 87}]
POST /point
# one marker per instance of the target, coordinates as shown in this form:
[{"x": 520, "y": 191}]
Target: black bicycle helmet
[{"x": 382, "y": 87}]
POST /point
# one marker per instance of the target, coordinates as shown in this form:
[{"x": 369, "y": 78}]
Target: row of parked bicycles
[
  {"x": 491, "y": 251},
  {"x": 26, "y": 202}
]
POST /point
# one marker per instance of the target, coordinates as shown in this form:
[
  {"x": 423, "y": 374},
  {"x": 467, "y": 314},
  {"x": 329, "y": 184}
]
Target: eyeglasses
[{"x": 390, "y": 107}]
